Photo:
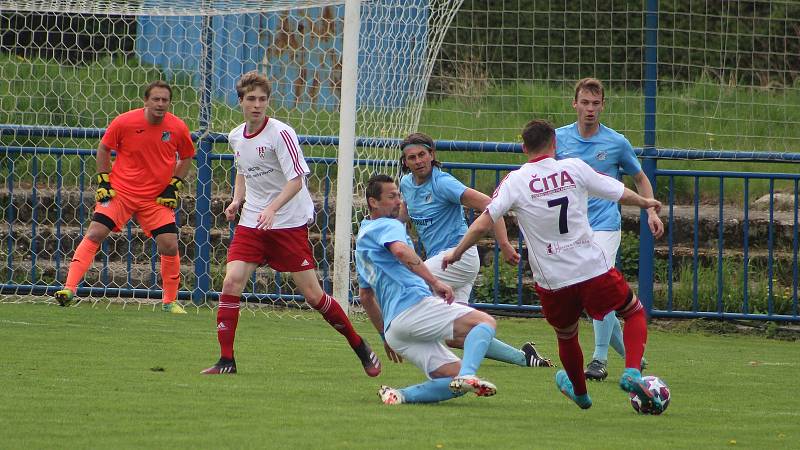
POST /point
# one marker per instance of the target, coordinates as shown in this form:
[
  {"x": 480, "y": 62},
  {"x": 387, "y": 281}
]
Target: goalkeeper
[{"x": 144, "y": 183}]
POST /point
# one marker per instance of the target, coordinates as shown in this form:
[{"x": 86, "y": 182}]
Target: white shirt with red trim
[
  {"x": 268, "y": 158},
  {"x": 550, "y": 200}
]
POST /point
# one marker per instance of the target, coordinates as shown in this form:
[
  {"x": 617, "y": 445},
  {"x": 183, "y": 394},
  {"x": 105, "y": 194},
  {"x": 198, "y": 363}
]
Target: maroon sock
[
  {"x": 335, "y": 316},
  {"x": 569, "y": 350},
  {"x": 634, "y": 335},
  {"x": 227, "y": 320}
]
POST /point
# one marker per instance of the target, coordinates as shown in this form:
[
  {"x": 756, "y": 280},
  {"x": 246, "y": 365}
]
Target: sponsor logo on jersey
[
  {"x": 165, "y": 136},
  {"x": 550, "y": 184},
  {"x": 602, "y": 155},
  {"x": 262, "y": 150},
  {"x": 139, "y": 131},
  {"x": 421, "y": 221},
  {"x": 558, "y": 247}
]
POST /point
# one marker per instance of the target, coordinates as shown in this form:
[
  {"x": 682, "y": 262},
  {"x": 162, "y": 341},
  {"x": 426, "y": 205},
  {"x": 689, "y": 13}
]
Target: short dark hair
[
  {"x": 250, "y": 81},
  {"x": 592, "y": 85},
  {"x": 537, "y": 135},
  {"x": 157, "y": 84},
  {"x": 420, "y": 139},
  {"x": 375, "y": 187}
]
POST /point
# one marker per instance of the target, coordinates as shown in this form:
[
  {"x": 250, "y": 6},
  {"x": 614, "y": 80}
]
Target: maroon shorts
[
  {"x": 598, "y": 296},
  {"x": 285, "y": 249}
]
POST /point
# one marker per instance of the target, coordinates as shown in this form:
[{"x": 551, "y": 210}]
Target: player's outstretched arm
[
  {"x": 479, "y": 201},
  {"x": 478, "y": 228},
  {"x": 632, "y": 198}
]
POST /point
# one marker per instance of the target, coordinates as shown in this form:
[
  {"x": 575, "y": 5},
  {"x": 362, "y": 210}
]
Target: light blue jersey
[
  {"x": 606, "y": 152},
  {"x": 396, "y": 287},
  {"x": 434, "y": 208}
]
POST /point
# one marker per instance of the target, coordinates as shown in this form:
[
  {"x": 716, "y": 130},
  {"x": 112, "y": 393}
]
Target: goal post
[{"x": 347, "y": 144}]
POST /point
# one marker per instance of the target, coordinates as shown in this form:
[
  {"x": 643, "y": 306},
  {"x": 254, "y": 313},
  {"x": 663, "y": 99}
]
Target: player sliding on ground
[
  {"x": 273, "y": 229},
  {"x": 572, "y": 272},
  {"x": 395, "y": 290}
]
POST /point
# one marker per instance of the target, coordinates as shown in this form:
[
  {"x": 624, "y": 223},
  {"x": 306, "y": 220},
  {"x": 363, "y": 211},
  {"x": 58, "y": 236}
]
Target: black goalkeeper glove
[
  {"x": 169, "y": 197},
  {"x": 104, "y": 189}
]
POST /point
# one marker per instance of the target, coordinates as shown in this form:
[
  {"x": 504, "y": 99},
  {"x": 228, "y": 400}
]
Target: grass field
[{"x": 111, "y": 378}]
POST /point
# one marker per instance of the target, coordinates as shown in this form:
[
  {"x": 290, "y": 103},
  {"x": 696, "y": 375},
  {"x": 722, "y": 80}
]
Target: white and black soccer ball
[{"x": 659, "y": 389}]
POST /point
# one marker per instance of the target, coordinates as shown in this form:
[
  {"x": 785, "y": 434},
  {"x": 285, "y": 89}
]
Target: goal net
[{"x": 69, "y": 67}]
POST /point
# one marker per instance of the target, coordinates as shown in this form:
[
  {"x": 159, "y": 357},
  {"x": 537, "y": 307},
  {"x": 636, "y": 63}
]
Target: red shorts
[
  {"x": 598, "y": 296},
  {"x": 285, "y": 249},
  {"x": 149, "y": 214}
]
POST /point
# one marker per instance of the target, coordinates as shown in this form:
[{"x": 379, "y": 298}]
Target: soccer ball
[{"x": 658, "y": 388}]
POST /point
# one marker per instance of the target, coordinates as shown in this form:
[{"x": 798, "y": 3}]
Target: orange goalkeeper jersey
[{"x": 145, "y": 160}]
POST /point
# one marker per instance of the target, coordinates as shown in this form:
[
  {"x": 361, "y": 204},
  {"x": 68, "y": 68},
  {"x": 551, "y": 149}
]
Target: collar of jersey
[
  {"x": 578, "y": 136},
  {"x": 539, "y": 158},
  {"x": 251, "y": 136}
]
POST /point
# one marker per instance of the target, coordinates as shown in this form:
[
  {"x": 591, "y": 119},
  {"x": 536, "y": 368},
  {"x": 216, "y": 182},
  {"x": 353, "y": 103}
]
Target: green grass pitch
[{"x": 124, "y": 378}]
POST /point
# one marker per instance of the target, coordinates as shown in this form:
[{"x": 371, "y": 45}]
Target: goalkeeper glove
[
  {"x": 104, "y": 189},
  {"x": 169, "y": 197}
]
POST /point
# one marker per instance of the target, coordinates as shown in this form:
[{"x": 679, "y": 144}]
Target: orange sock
[
  {"x": 81, "y": 260},
  {"x": 170, "y": 277}
]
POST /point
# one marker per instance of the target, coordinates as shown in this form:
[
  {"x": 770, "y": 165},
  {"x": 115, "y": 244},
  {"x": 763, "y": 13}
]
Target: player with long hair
[{"x": 433, "y": 202}]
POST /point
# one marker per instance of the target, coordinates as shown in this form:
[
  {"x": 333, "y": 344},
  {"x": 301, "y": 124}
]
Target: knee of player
[
  {"x": 488, "y": 320},
  {"x": 233, "y": 283}
]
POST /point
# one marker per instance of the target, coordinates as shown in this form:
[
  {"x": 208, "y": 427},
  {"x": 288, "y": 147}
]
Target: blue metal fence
[{"x": 744, "y": 285}]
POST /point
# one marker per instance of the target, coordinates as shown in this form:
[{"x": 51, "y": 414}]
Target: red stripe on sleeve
[{"x": 293, "y": 152}]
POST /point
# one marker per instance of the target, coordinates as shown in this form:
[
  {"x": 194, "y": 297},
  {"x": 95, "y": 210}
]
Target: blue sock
[
  {"x": 602, "y": 335},
  {"x": 616, "y": 339},
  {"x": 500, "y": 351},
  {"x": 431, "y": 391},
  {"x": 475, "y": 345}
]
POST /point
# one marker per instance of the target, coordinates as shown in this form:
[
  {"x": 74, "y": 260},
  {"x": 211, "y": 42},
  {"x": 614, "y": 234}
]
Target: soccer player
[
  {"x": 433, "y": 201},
  {"x": 395, "y": 290},
  {"x": 273, "y": 228},
  {"x": 143, "y": 182},
  {"x": 571, "y": 270},
  {"x": 607, "y": 152}
]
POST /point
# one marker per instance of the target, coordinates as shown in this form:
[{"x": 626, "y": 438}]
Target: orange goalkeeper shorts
[{"x": 148, "y": 214}]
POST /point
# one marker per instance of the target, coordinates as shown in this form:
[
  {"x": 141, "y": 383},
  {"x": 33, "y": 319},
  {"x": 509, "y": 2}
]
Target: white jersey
[
  {"x": 550, "y": 199},
  {"x": 268, "y": 158}
]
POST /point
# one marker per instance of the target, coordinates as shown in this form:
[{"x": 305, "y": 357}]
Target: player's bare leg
[{"x": 308, "y": 284}]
